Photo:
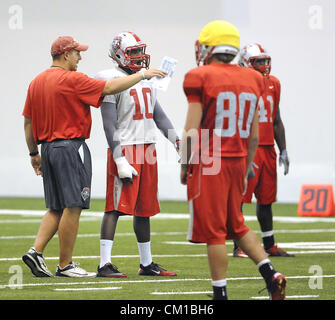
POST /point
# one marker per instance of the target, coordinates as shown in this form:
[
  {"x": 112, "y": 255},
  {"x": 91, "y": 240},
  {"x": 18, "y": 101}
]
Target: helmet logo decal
[{"x": 116, "y": 43}]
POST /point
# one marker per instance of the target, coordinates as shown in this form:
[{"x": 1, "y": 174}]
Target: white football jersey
[{"x": 135, "y": 108}]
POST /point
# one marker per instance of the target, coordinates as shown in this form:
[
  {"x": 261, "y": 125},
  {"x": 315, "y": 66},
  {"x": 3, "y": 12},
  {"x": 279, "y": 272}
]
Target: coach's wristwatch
[{"x": 34, "y": 153}]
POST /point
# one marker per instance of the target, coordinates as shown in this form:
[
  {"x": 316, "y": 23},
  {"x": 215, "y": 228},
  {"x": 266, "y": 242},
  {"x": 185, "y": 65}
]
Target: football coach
[{"x": 57, "y": 115}]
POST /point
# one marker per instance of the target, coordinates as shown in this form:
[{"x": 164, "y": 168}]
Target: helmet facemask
[
  {"x": 261, "y": 64},
  {"x": 135, "y": 57},
  {"x": 202, "y": 53}
]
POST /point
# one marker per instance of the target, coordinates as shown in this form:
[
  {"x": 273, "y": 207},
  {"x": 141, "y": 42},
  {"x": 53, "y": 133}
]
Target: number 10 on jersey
[{"x": 146, "y": 93}]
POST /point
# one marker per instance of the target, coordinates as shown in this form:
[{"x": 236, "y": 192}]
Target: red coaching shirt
[
  {"x": 229, "y": 95},
  {"x": 268, "y": 105},
  {"x": 58, "y": 101}
]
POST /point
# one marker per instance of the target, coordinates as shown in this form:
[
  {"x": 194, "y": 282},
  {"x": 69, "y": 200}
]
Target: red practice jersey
[
  {"x": 268, "y": 105},
  {"x": 229, "y": 95},
  {"x": 58, "y": 101}
]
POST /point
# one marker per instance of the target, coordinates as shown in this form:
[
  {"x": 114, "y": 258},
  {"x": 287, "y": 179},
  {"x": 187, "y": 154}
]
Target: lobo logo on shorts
[{"x": 85, "y": 194}]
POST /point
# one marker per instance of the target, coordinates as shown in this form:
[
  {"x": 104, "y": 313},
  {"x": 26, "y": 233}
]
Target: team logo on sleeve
[{"x": 85, "y": 193}]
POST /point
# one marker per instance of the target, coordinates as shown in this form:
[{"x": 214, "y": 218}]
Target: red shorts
[
  {"x": 141, "y": 197},
  {"x": 264, "y": 183},
  {"x": 215, "y": 202}
]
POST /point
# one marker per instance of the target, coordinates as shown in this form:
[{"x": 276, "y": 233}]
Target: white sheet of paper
[{"x": 168, "y": 64}]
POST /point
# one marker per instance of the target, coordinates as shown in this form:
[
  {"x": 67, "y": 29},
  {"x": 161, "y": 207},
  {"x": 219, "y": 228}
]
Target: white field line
[
  {"x": 302, "y": 231},
  {"x": 165, "y": 255},
  {"x": 92, "y": 235},
  {"x": 312, "y": 251},
  {"x": 308, "y": 245},
  {"x": 8, "y": 221},
  {"x": 181, "y": 293},
  {"x": 123, "y": 282},
  {"x": 120, "y": 256},
  {"x": 297, "y": 219},
  {"x": 99, "y": 282},
  {"x": 290, "y": 245},
  {"x": 87, "y": 289},
  {"x": 127, "y": 234},
  {"x": 164, "y": 216},
  {"x": 288, "y": 297},
  {"x": 89, "y": 214},
  {"x": 210, "y": 292}
]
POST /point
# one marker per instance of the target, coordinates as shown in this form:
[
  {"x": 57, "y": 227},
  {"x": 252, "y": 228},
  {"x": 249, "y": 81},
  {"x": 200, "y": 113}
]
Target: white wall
[{"x": 298, "y": 35}]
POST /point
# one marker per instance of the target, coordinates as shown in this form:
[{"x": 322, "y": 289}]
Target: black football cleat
[{"x": 154, "y": 269}]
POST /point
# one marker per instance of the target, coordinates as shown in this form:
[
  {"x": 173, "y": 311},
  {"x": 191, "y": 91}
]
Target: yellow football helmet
[{"x": 217, "y": 36}]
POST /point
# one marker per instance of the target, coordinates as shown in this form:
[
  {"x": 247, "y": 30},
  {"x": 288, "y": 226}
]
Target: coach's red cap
[{"x": 63, "y": 44}]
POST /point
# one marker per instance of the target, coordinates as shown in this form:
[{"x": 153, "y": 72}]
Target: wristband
[
  {"x": 143, "y": 76},
  {"x": 33, "y": 154},
  {"x": 284, "y": 153}
]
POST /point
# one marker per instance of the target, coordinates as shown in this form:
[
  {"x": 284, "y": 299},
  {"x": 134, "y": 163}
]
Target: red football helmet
[
  {"x": 255, "y": 56},
  {"x": 129, "y": 51}
]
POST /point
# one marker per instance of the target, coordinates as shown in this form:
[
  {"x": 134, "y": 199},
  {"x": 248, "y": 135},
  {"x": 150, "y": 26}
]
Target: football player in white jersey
[{"x": 130, "y": 119}]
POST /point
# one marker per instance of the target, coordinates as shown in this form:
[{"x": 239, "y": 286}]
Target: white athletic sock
[
  {"x": 267, "y": 234},
  {"x": 263, "y": 262},
  {"x": 219, "y": 283},
  {"x": 219, "y": 289},
  {"x": 144, "y": 249},
  {"x": 105, "y": 251}
]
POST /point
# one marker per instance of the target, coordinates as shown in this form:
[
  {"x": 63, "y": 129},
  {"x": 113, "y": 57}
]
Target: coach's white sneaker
[{"x": 73, "y": 271}]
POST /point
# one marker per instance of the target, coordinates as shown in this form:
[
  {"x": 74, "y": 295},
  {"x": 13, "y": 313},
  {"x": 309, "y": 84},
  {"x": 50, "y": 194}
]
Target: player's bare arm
[
  {"x": 279, "y": 131},
  {"x": 36, "y": 161},
  {"x": 190, "y": 135},
  {"x": 279, "y": 135},
  {"x": 252, "y": 147},
  {"x": 117, "y": 85}
]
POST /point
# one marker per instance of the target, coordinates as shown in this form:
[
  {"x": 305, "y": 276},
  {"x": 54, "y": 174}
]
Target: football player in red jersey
[
  {"x": 264, "y": 181},
  {"x": 218, "y": 146},
  {"x": 57, "y": 116}
]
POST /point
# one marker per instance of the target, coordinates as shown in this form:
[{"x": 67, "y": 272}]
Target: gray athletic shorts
[{"x": 67, "y": 174}]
